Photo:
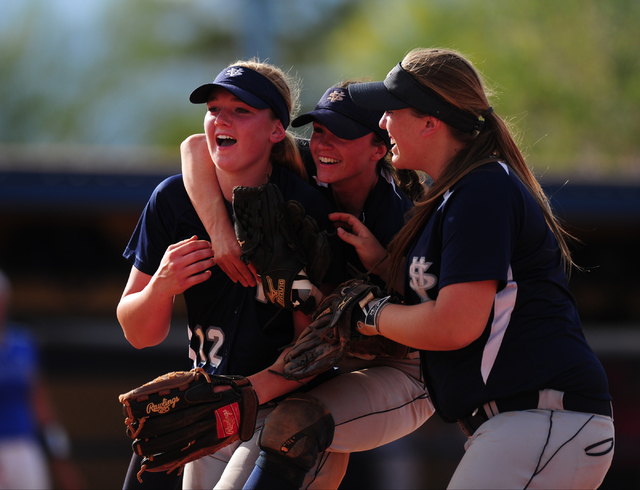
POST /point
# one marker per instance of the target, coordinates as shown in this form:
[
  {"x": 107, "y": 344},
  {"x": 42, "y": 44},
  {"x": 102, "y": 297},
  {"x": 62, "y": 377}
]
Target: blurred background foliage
[{"x": 117, "y": 73}]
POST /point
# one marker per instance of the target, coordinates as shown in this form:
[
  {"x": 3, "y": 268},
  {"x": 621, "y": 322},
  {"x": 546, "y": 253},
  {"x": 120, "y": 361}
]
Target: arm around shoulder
[{"x": 201, "y": 182}]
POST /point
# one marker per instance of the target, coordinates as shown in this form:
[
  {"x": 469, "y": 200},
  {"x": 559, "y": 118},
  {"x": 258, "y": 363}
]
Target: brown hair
[
  {"x": 285, "y": 153},
  {"x": 455, "y": 80}
]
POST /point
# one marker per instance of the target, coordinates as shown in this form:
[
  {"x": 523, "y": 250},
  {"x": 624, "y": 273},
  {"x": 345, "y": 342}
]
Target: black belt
[{"x": 530, "y": 401}]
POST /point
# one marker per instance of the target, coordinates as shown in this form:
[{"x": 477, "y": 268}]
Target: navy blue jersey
[
  {"x": 225, "y": 320},
  {"x": 489, "y": 227},
  {"x": 383, "y": 213}
]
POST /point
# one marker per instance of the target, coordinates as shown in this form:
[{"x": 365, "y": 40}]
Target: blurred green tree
[{"x": 566, "y": 73}]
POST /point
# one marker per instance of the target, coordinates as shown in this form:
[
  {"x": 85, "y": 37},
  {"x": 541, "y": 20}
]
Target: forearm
[
  {"x": 416, "y": 326},
  {"x": 454, "y": 320},
  {"x": 145, "y": 318},
  {"x": 201, "y": 183},
  {"x": 269, "y": 385}
]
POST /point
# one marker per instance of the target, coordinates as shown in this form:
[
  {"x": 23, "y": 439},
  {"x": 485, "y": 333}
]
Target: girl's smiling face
[
  {"x": 238, "y": 135},
  {"x": 403, "y": 128},
  {"x": 341, "y": 160}
]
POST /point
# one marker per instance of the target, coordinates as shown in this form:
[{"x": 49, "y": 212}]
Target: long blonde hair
[
  {"x": 455, "y": 80},
  {"x": 285, "y": 153}
]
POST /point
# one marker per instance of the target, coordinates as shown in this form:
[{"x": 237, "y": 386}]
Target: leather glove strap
[{"x": 368, "y": 322}]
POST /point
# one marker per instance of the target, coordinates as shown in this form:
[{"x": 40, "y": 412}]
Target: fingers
[
  {"x": 237, "y": 270},
  {"x": 254, "y": 272},
  {"x": 350, "y": 238},
  {"x": 220, "y": 388},
  {"x": 227, "y": 253},
  {"x": 185, "y": 264},
  {"x": 349, "y": 223},
  {"x": 199, "y": 257},
  {"x": 367, "y": 246}
]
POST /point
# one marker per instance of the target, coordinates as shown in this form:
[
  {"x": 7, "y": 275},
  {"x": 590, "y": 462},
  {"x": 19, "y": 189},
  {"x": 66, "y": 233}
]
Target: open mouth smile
[
  {"x": 328, "y": 161},
  {"x": 224, "y": 140}
]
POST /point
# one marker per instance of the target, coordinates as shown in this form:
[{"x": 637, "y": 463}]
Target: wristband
[{"x": 368, "y": 322}]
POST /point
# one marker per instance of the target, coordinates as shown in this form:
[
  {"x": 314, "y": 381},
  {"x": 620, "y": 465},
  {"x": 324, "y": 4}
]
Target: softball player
[
  {"x": 35, "y": 450},
  {"x": 487, "y": 295},
  {"x": 373, "y": 402},
  {"x": 245, "y": 126}
]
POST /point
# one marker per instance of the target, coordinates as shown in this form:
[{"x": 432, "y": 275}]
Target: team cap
[
  {"x": 337, "y": 112},
  {"x": 401, "y": 90},
  {"x": 250, "y": 87}
]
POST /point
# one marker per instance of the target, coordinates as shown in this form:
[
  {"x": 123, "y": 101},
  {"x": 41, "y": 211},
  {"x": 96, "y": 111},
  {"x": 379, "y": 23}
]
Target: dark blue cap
[
  {"x": 250, "y": 87},
  {"x": 337, "y": 112},
  {"x": 401, "y": 90}
]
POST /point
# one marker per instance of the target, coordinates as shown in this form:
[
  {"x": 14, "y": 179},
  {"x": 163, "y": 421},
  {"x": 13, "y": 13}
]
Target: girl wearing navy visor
[
  {"x": 248, "y": 108},
  {"x": 483, "y": 265}
]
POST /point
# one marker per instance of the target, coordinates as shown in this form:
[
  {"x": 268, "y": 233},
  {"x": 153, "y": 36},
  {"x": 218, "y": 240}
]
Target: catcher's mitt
[
  {"x": 283, "y": 244},
  {"x": 336, "y": 332},
  {"x": 178, "y": 417}
]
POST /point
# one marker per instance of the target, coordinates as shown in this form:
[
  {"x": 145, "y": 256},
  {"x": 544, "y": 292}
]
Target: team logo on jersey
[
  {"x": 234, "y": 72},
  {"x": 276, "y": 296},
  {"x": 336, "y": 95},
  {"x": 420, "y": 280}
]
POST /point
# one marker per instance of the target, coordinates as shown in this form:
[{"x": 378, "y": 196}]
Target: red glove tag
[{"x": 228, "y": 420}]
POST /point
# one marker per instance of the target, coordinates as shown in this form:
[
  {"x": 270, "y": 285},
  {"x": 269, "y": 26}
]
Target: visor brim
[
  {"x": 342, "y": 126},
  {"x": 203, "y": 92},
  {"x": 375, "y": 96}
]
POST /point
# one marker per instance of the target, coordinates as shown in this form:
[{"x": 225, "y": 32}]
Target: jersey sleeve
[
  {"x": 155, "y": 229},
  {"x": 479, "y": 229}
]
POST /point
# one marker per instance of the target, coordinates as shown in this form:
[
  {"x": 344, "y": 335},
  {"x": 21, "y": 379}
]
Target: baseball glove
[
  {"x": 337, "y": 331},
  {"x": 289, "y": 253},
  {"x": 178, "y": 417}
]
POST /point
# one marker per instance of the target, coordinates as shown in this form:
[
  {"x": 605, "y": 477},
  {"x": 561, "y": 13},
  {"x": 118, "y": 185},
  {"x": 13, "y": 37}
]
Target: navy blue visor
[
  {"x": 250, "y": 87},
  {"x": 337, "y": 112},
  {"x": 400, "y": 90}
]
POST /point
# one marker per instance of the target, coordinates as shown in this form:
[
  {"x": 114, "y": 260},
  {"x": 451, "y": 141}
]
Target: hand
[
  {"x": 183, "y": 265},
  {"x": 352, "y": 231},
  {"x": 227, "y": 256}
]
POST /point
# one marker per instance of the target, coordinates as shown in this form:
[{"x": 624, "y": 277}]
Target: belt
[{"x": 537, "y": 400}]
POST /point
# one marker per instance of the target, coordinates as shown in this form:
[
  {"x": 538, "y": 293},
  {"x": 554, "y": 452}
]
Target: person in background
[{"x": 35, "y": 451}]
